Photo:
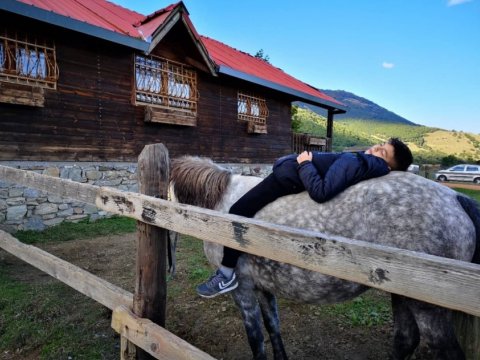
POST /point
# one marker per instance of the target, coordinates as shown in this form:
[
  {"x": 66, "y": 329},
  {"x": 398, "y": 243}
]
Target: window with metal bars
[
  {"x": 165, "y": 83},
  {"x": 22, "y": 62},
  {"x": 252, "y": 109}
]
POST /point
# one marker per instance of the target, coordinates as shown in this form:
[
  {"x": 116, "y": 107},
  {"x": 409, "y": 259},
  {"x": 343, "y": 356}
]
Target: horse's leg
[
  {"x": 246, "y": 301},
  {"x": 268, "y": 305},
  {"x": 435, "y": 324},
  {"x": 405, "y": 330}
]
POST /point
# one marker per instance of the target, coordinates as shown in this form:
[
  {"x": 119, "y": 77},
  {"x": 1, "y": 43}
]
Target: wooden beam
[
  {"x": 150, "y": 299},
  {"x": 329, "y": 129},
  {"x": 29, "y": 95},
  {"x": 88, "y": 284},
  {"x": 169, "y": 116},
  {"x": 157, "y": 341},
  {"x": 127, "y": 349},
  {"x": 441, "y": 281}
]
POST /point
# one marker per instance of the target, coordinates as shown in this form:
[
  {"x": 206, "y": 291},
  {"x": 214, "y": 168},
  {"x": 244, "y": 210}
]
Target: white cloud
[
  {"x": 456, "y": 2},
  {"x": 388, "y": 65}
]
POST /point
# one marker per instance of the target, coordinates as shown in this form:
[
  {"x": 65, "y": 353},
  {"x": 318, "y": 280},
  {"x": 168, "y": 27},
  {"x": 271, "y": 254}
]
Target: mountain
[
  {"x": 361, "y": 108},
  {"x": 429, "y": 145}
]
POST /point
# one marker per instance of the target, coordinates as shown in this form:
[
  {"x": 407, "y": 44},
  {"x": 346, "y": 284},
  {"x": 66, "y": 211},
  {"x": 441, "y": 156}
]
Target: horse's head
[{"x": 198, "y": 181}]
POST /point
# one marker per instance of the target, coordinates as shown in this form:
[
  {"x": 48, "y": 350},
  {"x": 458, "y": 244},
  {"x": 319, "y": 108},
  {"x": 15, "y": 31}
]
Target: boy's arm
[{"x": 339, "y": 176}]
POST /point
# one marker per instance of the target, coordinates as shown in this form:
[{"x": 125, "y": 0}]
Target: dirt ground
[{"x": 214, "y": 325}]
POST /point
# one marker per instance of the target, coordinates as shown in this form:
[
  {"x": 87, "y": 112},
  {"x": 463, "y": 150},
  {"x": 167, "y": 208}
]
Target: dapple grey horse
[{"x": 400, "y": 210}]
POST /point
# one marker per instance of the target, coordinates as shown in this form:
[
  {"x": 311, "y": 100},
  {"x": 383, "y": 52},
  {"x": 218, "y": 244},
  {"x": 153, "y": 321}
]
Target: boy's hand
[{"x": 304, "y": 156}]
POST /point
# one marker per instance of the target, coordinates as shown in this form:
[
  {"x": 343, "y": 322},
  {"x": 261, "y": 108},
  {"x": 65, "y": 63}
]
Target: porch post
[{"x": 329, "y": 130}]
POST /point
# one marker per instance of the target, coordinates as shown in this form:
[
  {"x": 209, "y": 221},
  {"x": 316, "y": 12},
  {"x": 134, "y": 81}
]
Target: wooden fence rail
[
  {"x": 81, "y": 280},
  {"x": 445, "y": 282},
  {"x": 154, "y": 339}
]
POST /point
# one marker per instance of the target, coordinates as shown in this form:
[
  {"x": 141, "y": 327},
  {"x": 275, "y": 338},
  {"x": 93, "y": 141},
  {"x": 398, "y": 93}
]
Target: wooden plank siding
[{"x": 90, "y": 117}]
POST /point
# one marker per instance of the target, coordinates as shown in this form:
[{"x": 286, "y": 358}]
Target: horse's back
[{"x": 401, "y": 210}]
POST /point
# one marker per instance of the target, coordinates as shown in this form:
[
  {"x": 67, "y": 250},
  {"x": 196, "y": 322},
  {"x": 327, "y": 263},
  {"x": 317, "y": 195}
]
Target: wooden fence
[
  {"x": 449, "y": 283},
  {"x": 308, "y": 142}
]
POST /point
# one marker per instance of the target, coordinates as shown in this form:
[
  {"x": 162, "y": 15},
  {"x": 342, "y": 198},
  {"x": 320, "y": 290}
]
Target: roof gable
[{"x": 156, "y": 26}]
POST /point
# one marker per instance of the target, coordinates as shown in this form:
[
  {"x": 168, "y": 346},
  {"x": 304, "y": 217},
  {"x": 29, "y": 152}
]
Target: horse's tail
[
  {"x": 198, "y": 181},
  {"x": 472, "y": 208}
]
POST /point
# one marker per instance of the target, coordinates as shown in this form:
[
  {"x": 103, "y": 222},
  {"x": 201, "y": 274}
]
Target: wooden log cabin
[{"x": 97, "y": 82}]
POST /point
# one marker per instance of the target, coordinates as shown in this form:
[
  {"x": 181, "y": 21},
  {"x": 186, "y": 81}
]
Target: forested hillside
[{"x": 429, "y": 145}]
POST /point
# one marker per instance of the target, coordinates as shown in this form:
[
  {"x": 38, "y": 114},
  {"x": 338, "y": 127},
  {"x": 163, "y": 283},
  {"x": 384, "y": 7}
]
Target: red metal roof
[
  {"x": 100, "y": 13},
  {"x": 225, "y": 55},
  {"x": 109, "y": 16}
]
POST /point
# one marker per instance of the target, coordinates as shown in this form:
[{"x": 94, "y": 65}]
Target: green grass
[
  {"x": 192, "y": 253},
  {"x": 474, "y": 194},
  {"x": 366, "y": 310},
  {"x": 53, "y": 321},
  {"x": 81, "y": 230}
]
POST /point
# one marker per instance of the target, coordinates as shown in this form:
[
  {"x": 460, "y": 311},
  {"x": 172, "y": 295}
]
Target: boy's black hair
[{"x": 402, "y": 155}]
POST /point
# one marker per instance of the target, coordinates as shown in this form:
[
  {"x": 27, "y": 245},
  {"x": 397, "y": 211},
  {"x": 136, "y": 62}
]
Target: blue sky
[{"x": 419, "y": 59}]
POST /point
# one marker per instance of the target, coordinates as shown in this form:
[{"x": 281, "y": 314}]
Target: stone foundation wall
[{"x": 24, "y": 208}]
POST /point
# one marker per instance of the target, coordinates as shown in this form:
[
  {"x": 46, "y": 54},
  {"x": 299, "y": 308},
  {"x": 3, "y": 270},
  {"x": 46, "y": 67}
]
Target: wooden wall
[{"x": 90, "y": 116}]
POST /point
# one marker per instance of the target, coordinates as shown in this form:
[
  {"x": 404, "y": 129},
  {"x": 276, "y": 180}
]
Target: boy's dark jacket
[{"x": 327, "y": 174}]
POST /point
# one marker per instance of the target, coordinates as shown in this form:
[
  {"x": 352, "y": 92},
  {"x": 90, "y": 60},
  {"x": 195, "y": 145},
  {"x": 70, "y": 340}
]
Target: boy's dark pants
[{"x": 253, "y": 201}]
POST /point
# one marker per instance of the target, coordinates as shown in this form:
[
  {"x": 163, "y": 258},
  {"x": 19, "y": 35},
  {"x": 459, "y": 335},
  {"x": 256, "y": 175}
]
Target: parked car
[
  {"x": 413, "y": 168},
  {"x": 462, "y": 172}
]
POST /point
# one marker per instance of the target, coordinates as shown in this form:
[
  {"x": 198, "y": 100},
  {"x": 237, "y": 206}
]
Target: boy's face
[{"x": 384, "y": 151}]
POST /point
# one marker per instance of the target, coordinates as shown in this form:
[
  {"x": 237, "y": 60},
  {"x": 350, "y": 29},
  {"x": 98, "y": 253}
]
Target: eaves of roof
[
  {"x": 339, "y": 108},
  {"x": 66, "y": 22}
]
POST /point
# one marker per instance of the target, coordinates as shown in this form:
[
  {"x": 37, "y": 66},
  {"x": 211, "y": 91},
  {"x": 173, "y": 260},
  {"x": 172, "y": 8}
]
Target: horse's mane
[{"x": 198, "y": 181}]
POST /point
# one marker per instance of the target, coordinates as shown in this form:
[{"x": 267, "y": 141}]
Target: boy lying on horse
[{"x": 323, "y": 175}]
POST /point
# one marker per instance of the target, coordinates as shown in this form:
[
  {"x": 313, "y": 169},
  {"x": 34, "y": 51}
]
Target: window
[
  {"x": 27, "y": 63},
  {"x": 254, "y": 110},
  {"x": 472, "y": 168},
  {"x": 458, "y": 168},
  {"x": 165, "y": 83}
]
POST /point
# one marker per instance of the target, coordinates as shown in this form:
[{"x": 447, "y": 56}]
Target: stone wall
[{"x": 24, "y": 208}]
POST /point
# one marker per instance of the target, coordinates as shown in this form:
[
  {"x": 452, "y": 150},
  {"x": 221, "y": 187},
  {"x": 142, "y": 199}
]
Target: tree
[
  {"x": 450, "y": 160},
  {"x": 260, "y": 55}
]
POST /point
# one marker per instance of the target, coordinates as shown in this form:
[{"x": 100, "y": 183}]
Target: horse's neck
[{"x": 238, "y": 186}]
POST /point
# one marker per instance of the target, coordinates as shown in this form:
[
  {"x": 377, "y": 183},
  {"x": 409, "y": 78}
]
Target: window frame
[
  {"x": 166, "y": 84},
  {"x": 251, "y": 108},
  {"x": 26, "y": 63}
]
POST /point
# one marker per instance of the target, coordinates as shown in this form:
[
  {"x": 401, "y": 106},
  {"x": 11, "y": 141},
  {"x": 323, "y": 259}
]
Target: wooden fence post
[{"x": 151, "y": 285}]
